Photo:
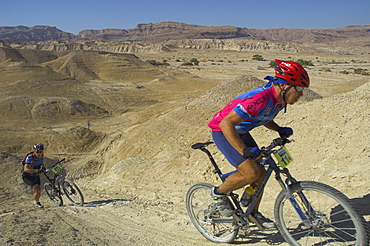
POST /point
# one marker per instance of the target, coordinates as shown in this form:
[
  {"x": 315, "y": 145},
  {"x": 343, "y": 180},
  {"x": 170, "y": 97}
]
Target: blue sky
[{"x": 77, "y": 15}]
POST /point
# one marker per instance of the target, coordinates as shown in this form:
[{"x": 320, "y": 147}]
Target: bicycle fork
[{"x": 286, "y": 187}]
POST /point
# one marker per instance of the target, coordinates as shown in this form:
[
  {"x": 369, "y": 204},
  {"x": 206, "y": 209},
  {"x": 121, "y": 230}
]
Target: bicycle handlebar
[
  {"x": 48, "y": 169},
  {"x": 275, "y": 143}
]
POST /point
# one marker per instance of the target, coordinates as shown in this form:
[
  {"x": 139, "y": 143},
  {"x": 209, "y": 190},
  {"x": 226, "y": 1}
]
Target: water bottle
[{"x": 247, "y": 196}]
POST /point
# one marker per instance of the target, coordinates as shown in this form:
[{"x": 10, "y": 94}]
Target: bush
[
  {"x": 155, "y": 63},
  {"x": 305, "y": 63},
  {"x": 272, "y": 64},
  {"x": 187, "y": 64},
  {"x": 258, "y": 58},
  {"x": 195, "y": 61},
  {"x": 300, "y": 61},
  {"x": 361, "y": 71}
]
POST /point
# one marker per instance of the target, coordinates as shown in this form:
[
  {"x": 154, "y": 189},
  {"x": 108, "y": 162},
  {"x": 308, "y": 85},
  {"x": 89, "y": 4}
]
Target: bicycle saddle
[{"x": 201, "y": 145}]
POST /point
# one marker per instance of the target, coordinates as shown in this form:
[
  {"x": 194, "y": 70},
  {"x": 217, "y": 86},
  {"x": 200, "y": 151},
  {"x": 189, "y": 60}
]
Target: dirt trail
[
  {"x": 135, "y": 167},
  {"x": 104, "y": 221}
]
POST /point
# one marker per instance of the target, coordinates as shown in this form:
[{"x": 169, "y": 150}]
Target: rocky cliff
[
  {"x": 36, "y": 33},
  {"x": 164, "y": 31},
  {"x": 162, "y": 36}
]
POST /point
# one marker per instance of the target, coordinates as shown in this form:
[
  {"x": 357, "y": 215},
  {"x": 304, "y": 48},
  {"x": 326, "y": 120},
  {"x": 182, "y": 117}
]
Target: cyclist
[
  {"x": 231, "y": 127},
  {"x": 33, "y": 166}
]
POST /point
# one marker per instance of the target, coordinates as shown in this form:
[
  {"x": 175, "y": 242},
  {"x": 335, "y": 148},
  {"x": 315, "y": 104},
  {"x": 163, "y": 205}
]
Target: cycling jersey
[
  {"x": 35, "y": 164},
  {"x": 256, "y": 107}
]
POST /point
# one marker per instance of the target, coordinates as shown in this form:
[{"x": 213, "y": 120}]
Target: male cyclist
[
  {"x": 231, "y": 127},
  {"x": 33, "y": 166}
]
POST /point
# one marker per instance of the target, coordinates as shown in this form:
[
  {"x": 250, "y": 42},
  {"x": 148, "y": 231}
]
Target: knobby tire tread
[
  {"x": 205, "y": 189},
  {"x": 59, "y": 200},
  {"x": 71, "y": 183},
  {"x": 344, "y": 204}
]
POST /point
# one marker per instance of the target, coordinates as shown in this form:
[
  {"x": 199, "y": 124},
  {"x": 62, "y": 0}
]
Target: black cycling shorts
[{"x": 31, "y": 180}]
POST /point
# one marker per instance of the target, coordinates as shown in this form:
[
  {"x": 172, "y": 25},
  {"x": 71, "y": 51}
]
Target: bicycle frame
[
  {"x": 272, "y": 167},
  {"x": 56, "y": 179},
  {"x": 59, "y": 185},
  {"x": 334, "y": 220}
]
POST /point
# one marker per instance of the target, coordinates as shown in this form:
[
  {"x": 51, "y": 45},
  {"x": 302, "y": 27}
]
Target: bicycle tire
[
  {"x": 211, "y": 225},
  {"x": 53, "y": 194},
  {"x": 333, "y": 219},
  {"x": 72, "y": 192}
]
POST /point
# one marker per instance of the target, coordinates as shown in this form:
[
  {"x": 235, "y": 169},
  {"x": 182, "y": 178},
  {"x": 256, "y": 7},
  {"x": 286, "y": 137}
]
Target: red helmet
[{"x": 292, "y": 72}]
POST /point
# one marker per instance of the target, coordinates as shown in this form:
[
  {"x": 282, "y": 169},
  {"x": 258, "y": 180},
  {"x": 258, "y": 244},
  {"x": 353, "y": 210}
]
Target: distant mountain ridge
[
  {"x": 165, "y": 31},
  {"x": 33, "y": 34}
]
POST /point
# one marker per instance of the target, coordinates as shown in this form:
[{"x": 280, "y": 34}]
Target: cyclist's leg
[
  {"x": 34, "y": 182},
  {"x": 36, "y": 189},
  {"x": 36, "y": 192},
  {"x": 249, "y": 171}
]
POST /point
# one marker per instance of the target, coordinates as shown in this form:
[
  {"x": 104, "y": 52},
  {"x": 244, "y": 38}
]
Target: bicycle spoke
[
  {"x": 331, "y": 219},
  {"x": 53, "y": 194},
  {"x": 211, "y": 224},
  {"x": 72, "y": 192}
]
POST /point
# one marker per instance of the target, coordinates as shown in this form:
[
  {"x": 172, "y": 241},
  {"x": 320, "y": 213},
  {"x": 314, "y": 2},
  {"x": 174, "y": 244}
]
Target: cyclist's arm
[
  {"x": 272, "y": 126},
  {"x": 227, "y": 126},
  {"x": 28, "y": 169}
]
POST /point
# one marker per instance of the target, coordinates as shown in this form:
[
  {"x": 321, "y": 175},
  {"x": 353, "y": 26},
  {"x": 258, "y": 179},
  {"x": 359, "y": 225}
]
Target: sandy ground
[{"x": 135, "y": 178}]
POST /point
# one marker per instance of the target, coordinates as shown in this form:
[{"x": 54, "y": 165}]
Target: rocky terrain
[
  {"x": 350, "y": 39},
  {"x": 133, "y": 162}
]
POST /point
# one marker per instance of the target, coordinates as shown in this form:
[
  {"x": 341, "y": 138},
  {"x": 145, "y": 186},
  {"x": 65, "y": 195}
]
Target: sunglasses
[
  {"x": 298, "y": 88},
  {"x": 39, "y": 151}
]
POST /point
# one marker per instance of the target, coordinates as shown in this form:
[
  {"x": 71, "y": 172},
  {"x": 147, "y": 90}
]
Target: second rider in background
[{"x": 33, "y": 167}]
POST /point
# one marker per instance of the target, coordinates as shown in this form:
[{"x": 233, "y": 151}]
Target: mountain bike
[
  {"x": 58, "y": 185},
  {"x": 306, "y": 212}
]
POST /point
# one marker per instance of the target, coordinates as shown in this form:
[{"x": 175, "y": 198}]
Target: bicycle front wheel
[
  {"x": 206, "y": 219},
  {"x": 72, "y": 192},
  {"x": 53, "y": 193},
  {"x": 329, "y": 217}
]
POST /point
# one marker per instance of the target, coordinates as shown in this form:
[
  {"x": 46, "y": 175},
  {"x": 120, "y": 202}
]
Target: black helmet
[{"x": 38, "y": 146}]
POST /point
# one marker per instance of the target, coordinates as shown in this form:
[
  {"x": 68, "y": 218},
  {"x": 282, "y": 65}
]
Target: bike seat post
[{"x": 217, "y": 169}]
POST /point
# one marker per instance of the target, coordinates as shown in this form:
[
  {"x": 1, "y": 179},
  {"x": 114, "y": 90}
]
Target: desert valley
[{"x": 124, "y": 106}]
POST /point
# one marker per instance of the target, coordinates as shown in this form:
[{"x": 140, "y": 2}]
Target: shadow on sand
[
  {"x": 273, "y": 237},
  {"x": 362, "y": 204},
  {"x": 106, "y": 202}
]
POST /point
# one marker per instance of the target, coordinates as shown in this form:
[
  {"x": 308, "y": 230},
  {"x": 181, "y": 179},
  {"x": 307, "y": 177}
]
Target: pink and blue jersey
[{"x": 256, "y": 107}]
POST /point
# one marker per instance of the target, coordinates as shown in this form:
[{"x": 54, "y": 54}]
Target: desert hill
[
  {"x": 81, "y": 86},
  {"x": 139, "y": 180},
  {"x": 133, "y": 162}
]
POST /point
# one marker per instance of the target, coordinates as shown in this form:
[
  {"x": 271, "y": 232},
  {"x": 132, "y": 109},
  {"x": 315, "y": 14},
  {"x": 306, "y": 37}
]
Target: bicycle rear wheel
[
  {"x": 53, "y": 193},
  {"x": 72, "y": 192},
  {"x": 331, "y": 217},
  {"x": 210, "y": 224}
]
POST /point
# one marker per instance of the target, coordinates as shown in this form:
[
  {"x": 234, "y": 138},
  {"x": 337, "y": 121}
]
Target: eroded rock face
[
  {"x": 164, "y": 32},
  {"x": 127, "y": 47},
  {"x": 36, "y": 33}
]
